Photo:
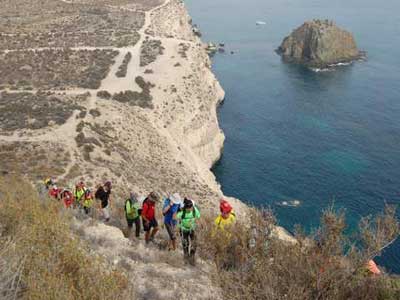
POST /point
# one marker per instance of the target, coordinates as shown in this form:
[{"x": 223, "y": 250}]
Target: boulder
[{"x": 319, "y": 44}]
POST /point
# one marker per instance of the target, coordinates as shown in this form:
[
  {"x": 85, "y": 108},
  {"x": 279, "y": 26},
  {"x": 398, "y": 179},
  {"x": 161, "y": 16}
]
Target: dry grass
[
  {"x": 325, "y": 265},
  {"x": 41, "y": 258}
]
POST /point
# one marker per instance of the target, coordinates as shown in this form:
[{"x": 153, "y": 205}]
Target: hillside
[
  {"x": 122, "y": 90},
  {"x": 116, "y": 90}
]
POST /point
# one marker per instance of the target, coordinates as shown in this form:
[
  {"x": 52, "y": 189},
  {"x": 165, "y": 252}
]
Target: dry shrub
[
  {"x": 44, "y": 260},
  {"x": 252, "y": 264}
]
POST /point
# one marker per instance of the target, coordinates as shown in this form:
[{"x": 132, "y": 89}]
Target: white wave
[
  {"x": 341, "y": 64},
  {"x": 317, "y": 70}
]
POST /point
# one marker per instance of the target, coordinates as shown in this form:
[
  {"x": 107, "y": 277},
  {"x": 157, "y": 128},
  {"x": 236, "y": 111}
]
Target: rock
[
  {"x": 26, "y": 68},
  {"x": 319, "y": 44}
]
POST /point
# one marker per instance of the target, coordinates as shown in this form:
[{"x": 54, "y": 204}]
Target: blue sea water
[{"x": 296, "y": 134}]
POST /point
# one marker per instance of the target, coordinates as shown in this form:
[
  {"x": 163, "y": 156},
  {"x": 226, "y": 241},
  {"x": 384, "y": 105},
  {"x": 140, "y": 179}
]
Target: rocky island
[{"x": 319, "y": 44}]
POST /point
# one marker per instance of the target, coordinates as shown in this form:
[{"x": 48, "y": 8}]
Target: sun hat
[
  {"x": 175, "y": 198},
  {"x": 225, "y": 207},
  {"x": 133, "y": 196},
  {"x": 154, "y": 196}
]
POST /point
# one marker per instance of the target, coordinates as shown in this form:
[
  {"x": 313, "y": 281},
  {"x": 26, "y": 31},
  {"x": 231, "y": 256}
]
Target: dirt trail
[
  {"x": 111, "y": 83},
  {"x": 141, "y": 261}
]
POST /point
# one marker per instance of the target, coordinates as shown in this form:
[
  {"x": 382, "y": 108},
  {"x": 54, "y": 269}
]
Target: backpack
[
  {"x": 99, "y": 192},
  {"x": 125, "y": 204},
  {"x": 184, "y": 212}
]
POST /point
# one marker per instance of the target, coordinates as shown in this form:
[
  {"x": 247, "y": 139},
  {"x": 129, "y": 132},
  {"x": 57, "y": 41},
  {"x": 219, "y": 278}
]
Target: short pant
[
  {"x": 171, "y": 231},
  {"x": 148, "y": 225}
]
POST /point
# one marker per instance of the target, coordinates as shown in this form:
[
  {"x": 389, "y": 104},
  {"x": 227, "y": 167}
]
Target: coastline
[
  {"x": 168, "y": 147},
  {"x": 238, "y": 204}
]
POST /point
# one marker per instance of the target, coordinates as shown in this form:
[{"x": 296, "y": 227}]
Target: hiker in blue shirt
[{"x": 170, "y": 208}]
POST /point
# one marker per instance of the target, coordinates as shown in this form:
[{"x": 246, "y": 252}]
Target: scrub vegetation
[
  {"x": 252, "y": 264},
  {"x": 55, "y": 68},
  {"x": 40, "y": 256}
]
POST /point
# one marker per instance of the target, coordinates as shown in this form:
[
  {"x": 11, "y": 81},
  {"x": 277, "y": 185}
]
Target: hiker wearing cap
[
  {"x": 149, "y": 216},
  {"x": 103, "y": 194},
  {"x": 226, "y": 217},
  {"x": 170, "y": 209},
  {"x": 132, "y": 214},
  {"x": 187, "y": 219}
]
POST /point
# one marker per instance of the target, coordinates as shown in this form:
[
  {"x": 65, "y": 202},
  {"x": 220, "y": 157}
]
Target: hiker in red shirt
[
  {"x": 54, "y": 192},
  {"x": 67, "y": 198},
  {"x": 149, "y": 216}
]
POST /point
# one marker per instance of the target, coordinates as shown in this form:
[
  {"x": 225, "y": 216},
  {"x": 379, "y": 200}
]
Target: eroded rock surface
[{"x": 319, "y": 44}]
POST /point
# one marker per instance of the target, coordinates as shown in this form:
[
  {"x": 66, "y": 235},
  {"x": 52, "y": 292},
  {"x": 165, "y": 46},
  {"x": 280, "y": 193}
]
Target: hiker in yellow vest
[
  {"x": 79, "y": 194},
  {"x": 87, "y": 202},
  {"x": 132, "y": 214},
  {"x": 226, "y": 217}
]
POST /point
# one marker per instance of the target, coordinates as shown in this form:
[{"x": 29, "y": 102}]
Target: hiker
[
  {"x": 103, "y": 194},
  {"x": 132, "y": 214},
  {"x": 79, "y": 194},
  {"x": 227, "y": 216},
  {"x": 54, "y": 192},
  {"x": 149, "y": 216},
  {"x": 373, "y": 268},
  {"x": 170, "y": 209},
  {"x": 87, "y": 202},
  {"x": 67, "y": 198},
  {"x": 187, "y": 224},
  {"x": 49, "y": 182}
]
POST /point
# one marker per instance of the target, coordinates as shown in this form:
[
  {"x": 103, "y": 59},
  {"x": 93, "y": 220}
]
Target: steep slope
[{"x": 162, "y": 134}]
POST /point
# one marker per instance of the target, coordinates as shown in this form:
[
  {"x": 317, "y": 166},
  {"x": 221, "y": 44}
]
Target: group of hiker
[
  {"x": 180, "y": 214},
  {"x": 81, "y": 196}
]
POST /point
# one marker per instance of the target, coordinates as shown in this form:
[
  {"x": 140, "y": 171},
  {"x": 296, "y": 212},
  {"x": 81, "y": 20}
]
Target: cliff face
[
  {"x": 131, "y": 99},
  {"x": 319, "y": 44}
]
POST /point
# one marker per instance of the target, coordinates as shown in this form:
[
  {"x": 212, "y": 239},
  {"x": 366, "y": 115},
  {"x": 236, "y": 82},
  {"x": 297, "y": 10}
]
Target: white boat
[{"x": 261, "y": 23}]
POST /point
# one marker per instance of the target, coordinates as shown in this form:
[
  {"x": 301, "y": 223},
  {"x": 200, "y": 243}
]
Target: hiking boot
[
  {"x": 186, "y": 259},
  {"x": 192, "y": 261}
]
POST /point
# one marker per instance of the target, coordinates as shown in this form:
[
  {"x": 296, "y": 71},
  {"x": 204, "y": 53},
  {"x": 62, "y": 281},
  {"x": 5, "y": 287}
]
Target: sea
[{"x": 300, "y": 140}]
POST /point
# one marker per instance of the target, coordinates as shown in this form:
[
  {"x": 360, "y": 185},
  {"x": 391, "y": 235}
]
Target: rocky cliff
[
  {"x": 319, "y": 44},
  {"x": 114, "y": 89},
  {"x": 118, "y": 90}
]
